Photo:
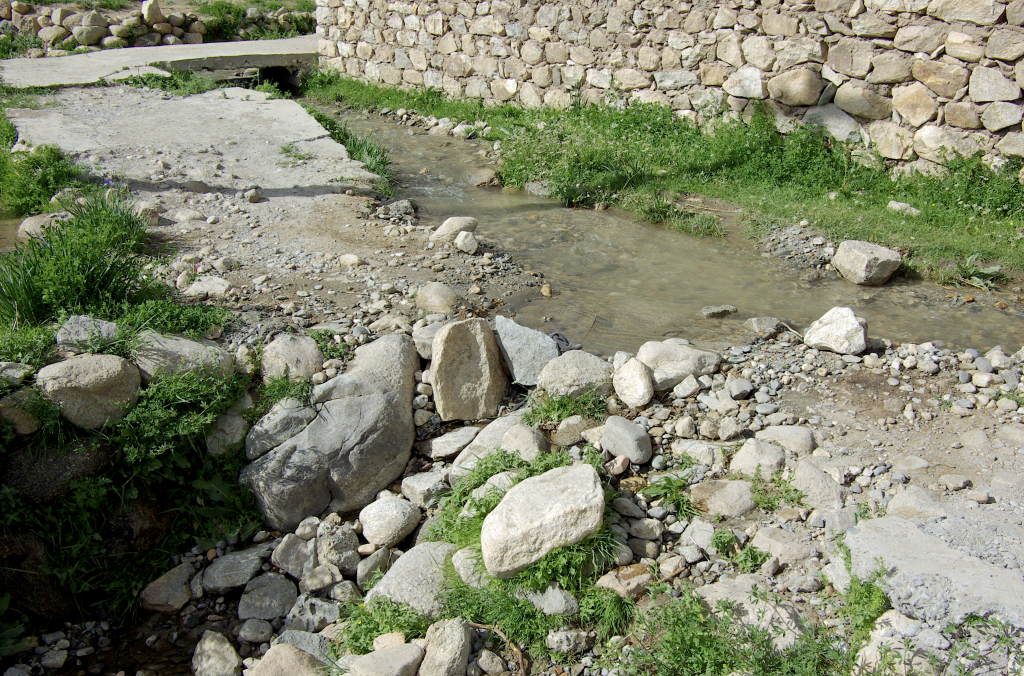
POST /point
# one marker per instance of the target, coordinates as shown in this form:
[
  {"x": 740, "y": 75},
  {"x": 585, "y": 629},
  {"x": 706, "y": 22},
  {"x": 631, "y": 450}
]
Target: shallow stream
[{"x": 633, "y": 281}]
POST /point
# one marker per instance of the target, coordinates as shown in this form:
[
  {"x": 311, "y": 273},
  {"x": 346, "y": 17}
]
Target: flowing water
[{"x": 620, "y": 282}]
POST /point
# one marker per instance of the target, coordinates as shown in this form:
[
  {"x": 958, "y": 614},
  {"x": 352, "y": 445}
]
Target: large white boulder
[
  {"x": 560, "y": 507},
  {"x": 674, "y": 359},
  {"x": 291, "y": 356},
  {"x": 634, "y": 383},
  {"x": 866, "y": 263},
  {"x": 574, "y": 373},
  {"x": 160, "y": 355},
  {"x": 839, "y": 330},
  {"x": 91, "y": 389},
  {"x": 466, "y": 371}
]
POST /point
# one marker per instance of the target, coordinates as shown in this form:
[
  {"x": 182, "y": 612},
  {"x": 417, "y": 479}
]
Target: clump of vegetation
[
  {"x": 746, "y": 559},
  {"x": 226, "y": 20},
  {"x": 13, "y": 46},
  {"x": 673, "y": 490},
  {"x": 770, "y": 495},
  {"x": 329, "y": 347},
  {"x": 360, "y": 148},
  {"x": 29, "y": 179},
  {"x": 548, "y": 409},
  {"x": 968, "y": 273},
  {"x": 179, "y": 82}
]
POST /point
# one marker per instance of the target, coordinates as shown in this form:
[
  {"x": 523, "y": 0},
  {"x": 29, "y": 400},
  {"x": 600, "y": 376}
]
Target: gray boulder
[
  {"x": 574, "y": 373},
  {"x": 416, "y": 578},
  {"x": 756, "y": 456},
  {"x": 423, "y": 338},
  {"x": 169, "y": 592},
  {"x": 560, "y": 507},
  {"x": 674, "y": 359},
  {"x": 623, "y": 437},
  {"x": 336, "y": 544},
  {"x": 839, "y": 330},
  {"x": 866, "y": 263},
  {"x": 728, "y": 498},
  {"x": 267, "y": 597},
  {"x": 526, "y": 351},
  {"x": 451, "y": 444},
  {"x": 436, "y": 297},
  {"x": 448, "y": 645},
  {"x": 423, "y": 489},
  {"x": 158, "y": 355},
  {"x": 291, "y": 356},
  {"x": 359, "y": 442},
  {"x": 819, "y": 489},
  {"x": 791, "y": 437},
  {"x": 450, "y": 229},
  {"x": 379, "y": 561},
  {"x": 294, "y": 555},
  {"x": 228, "y": 433},
  {"x": 234, "y": 569},
  {"x": 386, "y": 522},
  {"x": 312, "y": 614},
  {"x": 399, "y": 660},
  {"x": 285, "y": 419},
  {"x": 214, "y": 655},
  {"x": 285, "y": 659},
  {"x": 91, "y": 389},
  {"x": 466, "y": 372},
  {"x": 81, "y": 333}
]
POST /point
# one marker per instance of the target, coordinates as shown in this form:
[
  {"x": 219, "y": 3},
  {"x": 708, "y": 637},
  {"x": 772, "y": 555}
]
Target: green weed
[
  {"x": 770, "y": 495},
  {"x": 328, "y": 347},
  {"x": 699, "y": 224},
  {"x": 29, "y": 179},
  {"x": 164, "y": 315},
  {"x": 968, "y": 273},
  {"x": 367, "y": 621},
  {"x": 32, "y": 345},
  {"x": 863, "y": 603},
  {"x": 103, "y": 4},
  {"x": 225, "y": 20},
  {"x": 360, "y": 148},
  {"x": 546, "y": 409},
  {"x": 672, "y": 490},
  {"x": 11, "y": 630},
  {"x": 179, "y": 83},
  {"x": 13, "y": 47}
]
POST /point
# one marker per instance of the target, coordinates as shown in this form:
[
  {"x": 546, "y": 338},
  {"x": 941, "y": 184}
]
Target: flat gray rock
[
  {"x": 267, "y": 597},
  {"x": 234, "y": 569},
  {"x": 416, "y": 578},
  {"x": 81, "y": 333},
  {"x": 526, "y": 351}
]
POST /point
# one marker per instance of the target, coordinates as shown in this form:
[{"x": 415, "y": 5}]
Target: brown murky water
[
  {"x": 634, "y": 281},
  {"x": 8, "y": 232}
]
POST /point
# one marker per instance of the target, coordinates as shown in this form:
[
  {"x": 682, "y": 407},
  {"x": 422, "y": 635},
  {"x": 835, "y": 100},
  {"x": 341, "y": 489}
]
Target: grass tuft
[
  {"x": 546, "y": 409},
  {"x": 360, "y": 148},
  {"x": 770, "y": 495}
]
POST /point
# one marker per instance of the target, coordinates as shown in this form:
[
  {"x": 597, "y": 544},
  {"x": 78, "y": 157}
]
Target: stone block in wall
[
  {"x": 628, "y": 79},
  {"x": 890, "y": 67},
  {"x": 390, "y": 75},
  {"x": 833, "y": 120},
  {"x": 485, "y": 66},
  {"x": 1015, "y": 13},
  {"x": 556, "y": 52},
  {"x": 838, "y": 6},
  {"x": 1005, "y": 44},
  {"x": 851, "y": 56},
  {"x": 858, "y": 99},
  {"x": 541, "y": 76},
  {"x": 1000, "y": 115},
  {"x": 668, "y": 20},
  {"x": 696, "y": 20},
  {"x": 1018, "y": 73},
  {"x": 988, "y": 84},
  {"x": 648, "y": 58},
  {"x": 894, "y": 6},
  {"x": 557, "y": 98},
  {"x": 962, "y": 114},
  {"x": 800, "y": 87},
  {"x": 873, "y": 25},
  {"x": 890, "y": 140},
  {"x": 477, "y": 88},
  {"x": 708, "y": 102},
  {"x": 515, "y": 69},
  {"x": 572, "y": 75},
  {"x": 413, "y": 77},
  {"x": 448, "y": 44},
  {"x": 931, "y": 143},
  {"x": 980, "y": 12},
  {"x": 582, "y": 55},
  {"x": 531, "y": 96},
  {"x": 921, "y": 37},
  {"x": 531, "y": 52},
  {"x": 328, "y": 48},
  {"x": 371, "y": 71},
  {"x": 1012, "y": 145},
  {"x": 713, "y": 74},
  {"x": 914, "y": 103},
  {"x": 730, "y": 50},
  {"x": 504, "y": 89},
  {"x": 964, "y": 47},
  {"x": 747, "y": 83},
  {"x": 758, "y": 51},
  {"x": 784, "y": 25},
  {"x": 945, "y": 79},
  {"x": 795, "y": 51},
  {"x": 675, "y": 79}
]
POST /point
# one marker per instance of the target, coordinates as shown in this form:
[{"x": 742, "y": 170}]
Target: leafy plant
[
  {"x": 553, "y": 409},
  {"x": 179, "y": 83},
  {"x": 770, "y": 495},
  {"x": 367, "y": 621},
  {"x": 361, "y": 148},
  {"x": 10, "y": 630},
  {"x": 672, "y": 490},
  {"x": 29, "y": 179},
  {"x": 328, "y": 347},
  {"x": 969, "y": 274},
  {"x": 15, "y": 46},
  {"x": 863, "y": 603}
]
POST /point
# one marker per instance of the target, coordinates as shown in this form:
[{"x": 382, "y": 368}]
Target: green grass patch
[
  {"x": 330, "y": 348},
  {"x": 29, "y": 179},
  {"x": 360, "y": 148},
  {"x": 546, "y": 409},
  {"x": 180, "y": 82},
  {"x": 642, "y": 157},
  {"x": 367, "y": 621},
  {"x": 32, "y": 345},
  {"x": 225, "y": 20},
  {"x": 103, "y": 4},
  {"x": 673, "y": 491},
  {"x": 770, "y": 495},
  {"x": 863, "y": 603},
  {"x": 14, "y": 46}
]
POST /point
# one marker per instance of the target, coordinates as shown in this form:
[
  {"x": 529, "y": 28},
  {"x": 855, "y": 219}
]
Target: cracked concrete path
[{"x": 110, "y": 64}]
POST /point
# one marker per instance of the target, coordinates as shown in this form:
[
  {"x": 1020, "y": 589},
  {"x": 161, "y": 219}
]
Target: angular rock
[
  {"x": 800, "y": 87},
  {"x": 286, "y": 660},
  {"x": 834, "y": 120},
  {"x": 400, "y": 660},
  {"x": 486, "y": 442},
  {"x": 793, "y": 438},
  {"x": 866, "y": 263},
  {"x": 560, "y": 507},
  {"x": 290, "y": 356},
  {"x": 234, "y": 570},
  {"x": 526, "y": 351},
  {"x": 820, "y": 490},
  {"x": 945, "y": 79},
  {"x": 294, "y": 555},
  {"x": 629, "y": 582},
  {"x": 789, "y": 547},
  {"x": 781, "y": 621},
  {"x": 359, "y": 442},
  {"x": 747, "y": 83},
  {"x": 915, "y": 103},
  {"x": 424, "y": 339},
  {"x": 91, "y": 389},
  {"x": 989, "y": 84},
  {"x": 81, "y": 333},
  {"x": 227, "y": 434},
  {"x": 267, "y": 597},
  {"x": 336, "y": 544},
  {"x": 466, "y": 372},
  {"x": 574, "y": 373},
  {"x": 215, "y": 656},
  {"x": 424, "y": 488},
  {"x": 312, "y": 614},
  {"x": 728, "y": 498},
  {"x": 633, "y": 383},
  {"x": 448, "y": 646},
  {"x": 673, "y": 360},
  {"x": 285, "y": 419},
  {"x": 436, "y": 297},
  {"x": 525, "y": 441},
  {"x": 379, "y": 561},
  {"x": 451, "y": 444},
  {"x": 416, "y": 578},
  {"x": 914, "y": 503},
  {"x": 839, "y": 331},
  {"x": 170, "y": 592},
  {"x": 386, "y": 522},
  {"x": 451, "y": 228},
  {"x": 757, "y": 456},
  {"x": 622, "y": 437},
  {"x": 159, "y": 355},
  {"x": 862, "y": 102},
  {"x": 208, "y": 286},
  {"x": 1000, "y": 115}
]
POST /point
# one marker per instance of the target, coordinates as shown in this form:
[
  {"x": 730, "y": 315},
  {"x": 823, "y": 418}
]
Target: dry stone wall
[{"x": 908, "y": 76}]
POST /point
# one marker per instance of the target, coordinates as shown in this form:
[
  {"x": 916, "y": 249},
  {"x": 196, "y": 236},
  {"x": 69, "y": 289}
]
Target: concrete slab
[
  {"x": 84, "y": 69},
  {"x": 219, "y": 141}
]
